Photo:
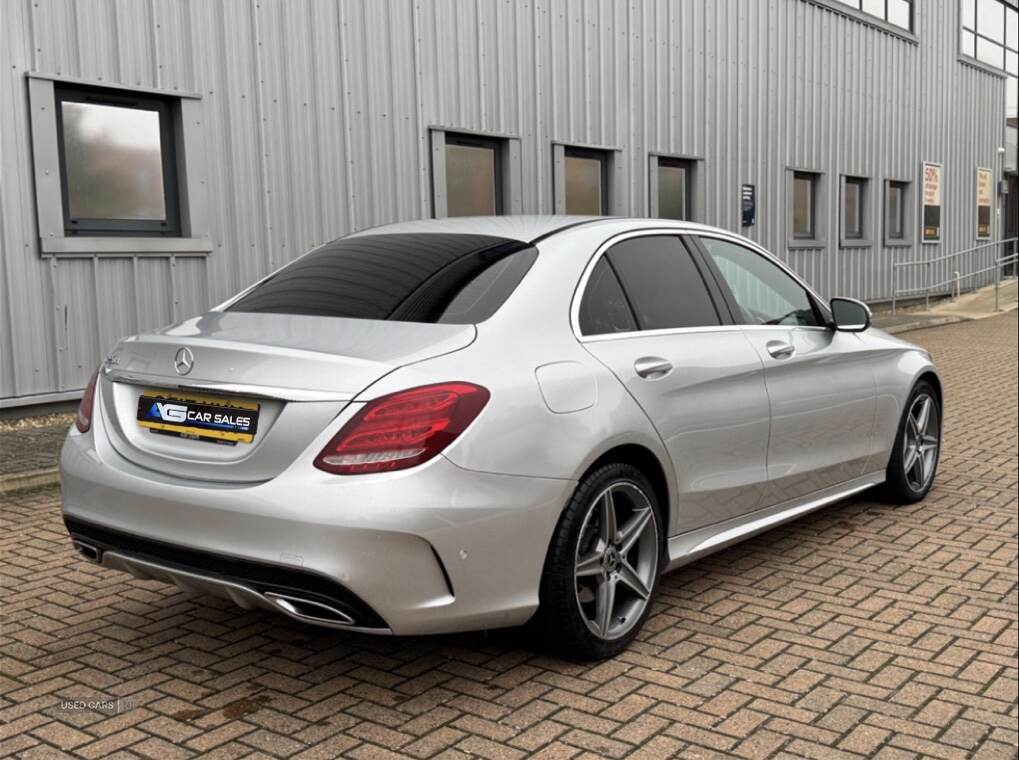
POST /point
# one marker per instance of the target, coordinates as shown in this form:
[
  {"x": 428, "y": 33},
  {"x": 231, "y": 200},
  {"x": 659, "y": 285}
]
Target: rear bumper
[
  {"x": 429, "y": 550},
  {"x": 301, "y": 594}
]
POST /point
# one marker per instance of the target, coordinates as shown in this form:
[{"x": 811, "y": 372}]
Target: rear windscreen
[{"x": 455, "y": 279}]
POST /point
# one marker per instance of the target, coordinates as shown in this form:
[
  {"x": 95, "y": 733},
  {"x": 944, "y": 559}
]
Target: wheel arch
[
  {"x": 931, "y": 377},
  {"x": 647, "y": 462}
]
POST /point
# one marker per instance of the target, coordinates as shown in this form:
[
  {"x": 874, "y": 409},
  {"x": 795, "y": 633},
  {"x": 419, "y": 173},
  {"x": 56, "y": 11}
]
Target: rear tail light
[
  {"x": 403, "y": 429},
  {"x": 83, "y": 419}
]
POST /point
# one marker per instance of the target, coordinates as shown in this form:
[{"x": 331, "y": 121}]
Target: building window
[
  {"x": 895, "y": 212},
  {"x": 854, "y": 208},
  {"x": 586, "y": 181},
  {"x": 473, "y": 175},
  {"x": 990, "y": 34},
  {"x": 674, "y": 183},
  {"x": 118, "y": 167},
  {"x": 896, "y": 12},
  {"x": 804, "y": 205}
]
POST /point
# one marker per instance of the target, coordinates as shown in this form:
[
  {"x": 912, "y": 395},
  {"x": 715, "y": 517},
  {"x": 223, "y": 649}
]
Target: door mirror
[{"x": 850, "y": 315}]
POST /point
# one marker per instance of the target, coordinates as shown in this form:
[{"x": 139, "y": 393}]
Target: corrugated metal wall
[{"x": 316, "y": 118}]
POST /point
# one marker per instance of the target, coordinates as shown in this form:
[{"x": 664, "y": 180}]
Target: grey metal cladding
[{"x": 316, "y": 119}]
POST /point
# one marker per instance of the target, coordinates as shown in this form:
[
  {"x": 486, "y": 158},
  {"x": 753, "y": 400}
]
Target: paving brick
[{"x": 863, "y": 630}]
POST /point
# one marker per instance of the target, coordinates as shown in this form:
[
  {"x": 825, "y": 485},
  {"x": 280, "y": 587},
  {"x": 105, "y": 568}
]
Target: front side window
[
  {"x": 853, "y": 207},
  {"x": 586, "y": 179},
  {"x": 117, "y": 163},
  {"x": 435, "y": 277},
  {"x": 473, "y": 176},
  {"x": 804, "y": 213},
  {"x": 763, "y": 291}
]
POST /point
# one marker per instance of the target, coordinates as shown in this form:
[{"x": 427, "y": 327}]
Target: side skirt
[{"x": 687, "y": 547}]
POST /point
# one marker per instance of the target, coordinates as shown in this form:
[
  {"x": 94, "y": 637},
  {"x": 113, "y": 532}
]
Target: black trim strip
[
  {"x": 570, "y": 226},
  {"x": 259, "y": 576}
]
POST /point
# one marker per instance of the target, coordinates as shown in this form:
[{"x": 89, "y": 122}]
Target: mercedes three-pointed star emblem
[{"x": 184, "y": 360}]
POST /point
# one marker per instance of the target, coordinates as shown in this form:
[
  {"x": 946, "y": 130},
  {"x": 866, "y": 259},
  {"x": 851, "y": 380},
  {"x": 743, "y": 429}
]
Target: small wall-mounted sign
[
  {"x": 748, "y": 204},
  {"x": 931, "y": 216},
  {"x": 985, "y": 190}
]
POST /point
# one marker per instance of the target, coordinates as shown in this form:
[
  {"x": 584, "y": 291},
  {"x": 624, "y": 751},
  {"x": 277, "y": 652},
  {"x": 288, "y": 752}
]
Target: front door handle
[
  {"x": 780, "y": 349},
  {"x": 652, "y": 367}
]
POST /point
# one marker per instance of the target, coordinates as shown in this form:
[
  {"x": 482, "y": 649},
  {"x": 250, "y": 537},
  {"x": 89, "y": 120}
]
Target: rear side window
[
  {"x": 447, "y": 278},
  {"x": 603, "y": 308},
  {"x": 662, "y": 283}
]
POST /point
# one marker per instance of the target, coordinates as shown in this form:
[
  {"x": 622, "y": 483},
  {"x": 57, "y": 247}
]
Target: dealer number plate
[{"x": 206, "y": 418}]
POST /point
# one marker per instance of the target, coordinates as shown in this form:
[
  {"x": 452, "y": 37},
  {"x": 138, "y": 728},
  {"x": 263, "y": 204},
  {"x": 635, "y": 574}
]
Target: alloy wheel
[
  {"x": 922, "y": 438},
  {"x": 616, "y": 560}
]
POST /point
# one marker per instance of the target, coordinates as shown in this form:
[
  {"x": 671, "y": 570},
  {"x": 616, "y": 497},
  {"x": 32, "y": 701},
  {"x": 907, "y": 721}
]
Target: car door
[
  {"x": 648, "y": 314},
  {"x": 819, "y": 380}
]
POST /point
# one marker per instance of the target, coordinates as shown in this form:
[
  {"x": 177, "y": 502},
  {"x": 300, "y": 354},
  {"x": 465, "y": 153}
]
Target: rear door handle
[
  {"x": 652, "y": 367},
  {"x": 780, "y": 349}
]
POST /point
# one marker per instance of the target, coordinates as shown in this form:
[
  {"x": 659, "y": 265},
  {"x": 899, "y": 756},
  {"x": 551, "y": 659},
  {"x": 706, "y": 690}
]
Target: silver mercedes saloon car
[{"x": 476, "y": 423}]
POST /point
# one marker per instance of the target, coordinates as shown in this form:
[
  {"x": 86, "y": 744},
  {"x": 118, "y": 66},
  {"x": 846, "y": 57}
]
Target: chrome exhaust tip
[
  {"x": 309, "y": 611},
  {"x": 89, "y": 552}
]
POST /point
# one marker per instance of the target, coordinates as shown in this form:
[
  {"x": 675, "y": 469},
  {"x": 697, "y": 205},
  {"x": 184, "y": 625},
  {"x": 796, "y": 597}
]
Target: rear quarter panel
[{"x": 518, "y": 433}]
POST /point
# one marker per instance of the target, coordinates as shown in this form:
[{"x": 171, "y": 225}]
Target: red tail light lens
[
  {"x": 83, "y": 419},
  {"x": 403, "y": 429}
]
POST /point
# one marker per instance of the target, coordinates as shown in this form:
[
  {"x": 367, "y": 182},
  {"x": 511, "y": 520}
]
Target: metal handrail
[
  {"x": 919, "y": 262},
  {"x": 929, "y": 286},
  {"x": 1012, "y": 258}
]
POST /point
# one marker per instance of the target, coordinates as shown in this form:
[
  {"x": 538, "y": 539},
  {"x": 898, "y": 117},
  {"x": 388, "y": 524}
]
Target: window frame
[
  {"x": 193, "y": 236},
  {"x": 691, "y": 165},
  {"x": 857, "y": 5},
  {"x": 822, "y": 313},
  {"x": 863, "y": 238},
  {"x": 69, "y": 93},
  {"x": 508, "y": 166},
  {"x": 715, "y": 294},
  {"x": 906, "y": 201},
  {"x": 602, "y": 156},
  {"x": 857, "y": 14},
  {"x": 972, "y": 59},
  {"x": 818, "y": 202},
  {"x": 494, "y": 144}
]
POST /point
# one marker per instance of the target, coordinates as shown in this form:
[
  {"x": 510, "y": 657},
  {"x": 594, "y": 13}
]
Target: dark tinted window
[
  {"x": 603, "y": 308},
  {"x": 662, "y": 283},
  {"x": 450, "y": 278}
]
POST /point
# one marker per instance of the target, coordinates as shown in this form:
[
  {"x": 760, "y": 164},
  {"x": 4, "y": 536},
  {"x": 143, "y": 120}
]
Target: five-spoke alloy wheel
[
  {"x": 914, "y": 460},
  {"x": 616, "y": 559},
  {"x": 923, "y": 436},
  {"x": 603, "y": 564}
]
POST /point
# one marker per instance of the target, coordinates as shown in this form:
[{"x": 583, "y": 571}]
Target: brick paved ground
[
  {"x": 865, "y": 630},
  {"x": 31, "y": 448}
]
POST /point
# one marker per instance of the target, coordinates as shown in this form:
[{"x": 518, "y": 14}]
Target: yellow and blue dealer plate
[{"x": 207, "y": 418}]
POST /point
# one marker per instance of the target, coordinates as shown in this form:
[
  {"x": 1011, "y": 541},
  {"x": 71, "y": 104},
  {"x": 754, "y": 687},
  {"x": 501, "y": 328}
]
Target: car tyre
[
  {"x": 914, "y": 459},
  {"x": 603, "y": 565}
]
